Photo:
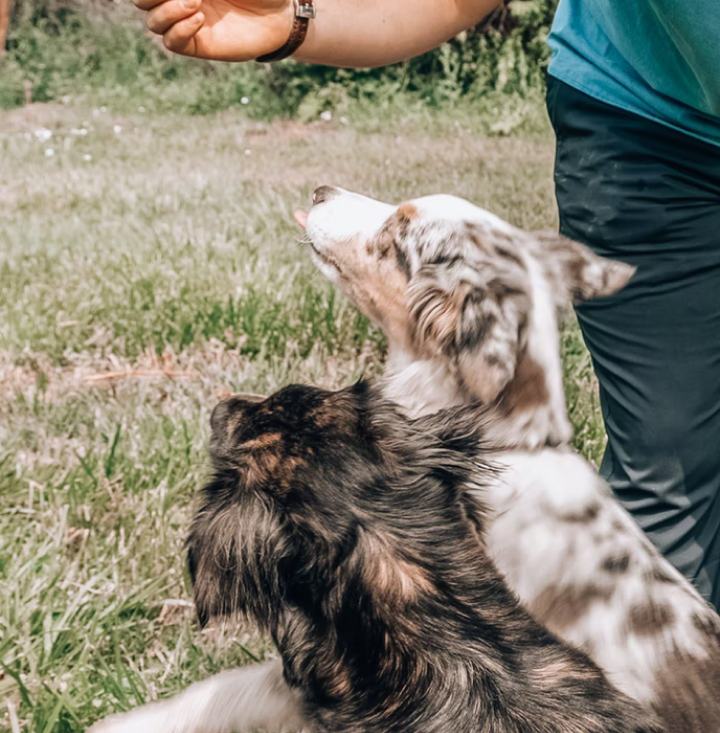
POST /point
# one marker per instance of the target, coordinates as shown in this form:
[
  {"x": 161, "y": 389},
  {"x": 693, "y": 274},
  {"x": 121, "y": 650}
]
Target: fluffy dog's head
[
  {"x": 447, "y": 280},
  {"x": 310, "y": 495}
]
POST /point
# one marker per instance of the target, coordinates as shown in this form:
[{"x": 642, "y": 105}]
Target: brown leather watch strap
[{"x": 304, "y": 11}]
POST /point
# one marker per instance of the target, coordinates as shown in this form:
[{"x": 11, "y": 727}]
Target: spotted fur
[{"x": 475, "y": 302}]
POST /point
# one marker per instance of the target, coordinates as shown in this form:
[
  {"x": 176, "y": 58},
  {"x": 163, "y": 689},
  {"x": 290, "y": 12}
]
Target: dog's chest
[
  {"x": 420, "y": 387},
  {"x": 552, "y": 524}
]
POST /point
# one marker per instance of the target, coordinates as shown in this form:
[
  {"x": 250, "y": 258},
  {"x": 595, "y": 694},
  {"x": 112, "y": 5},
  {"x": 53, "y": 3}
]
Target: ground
[{"x": 148, "y": 264}]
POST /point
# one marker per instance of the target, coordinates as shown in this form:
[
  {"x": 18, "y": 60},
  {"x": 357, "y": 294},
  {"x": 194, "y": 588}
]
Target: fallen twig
[{"x": 142, "y": 374}]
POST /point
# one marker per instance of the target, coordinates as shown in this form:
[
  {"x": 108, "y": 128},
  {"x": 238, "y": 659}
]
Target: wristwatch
[{"x": 304, "y": 13}]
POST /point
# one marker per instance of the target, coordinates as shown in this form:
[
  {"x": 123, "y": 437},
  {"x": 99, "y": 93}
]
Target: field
[{"x": 148, "y": 264}]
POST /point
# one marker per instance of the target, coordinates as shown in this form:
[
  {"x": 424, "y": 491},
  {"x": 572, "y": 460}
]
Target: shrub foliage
[{"x": 84, "y": 48}]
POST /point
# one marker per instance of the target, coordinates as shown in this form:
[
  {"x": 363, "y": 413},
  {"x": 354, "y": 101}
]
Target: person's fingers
[
  {"x": 146, "y": 4},
  {"x": 168, "y": 13},
  {"x": 180, "y": 38}
]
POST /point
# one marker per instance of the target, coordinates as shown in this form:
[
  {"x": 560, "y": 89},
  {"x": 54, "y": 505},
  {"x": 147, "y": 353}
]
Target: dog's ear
[
  {"x": 230, "y": 549},
  {"x": 477, "y": 324},
  {"x": 212, "y": 565},
  {"x": 585, "y": 275}
]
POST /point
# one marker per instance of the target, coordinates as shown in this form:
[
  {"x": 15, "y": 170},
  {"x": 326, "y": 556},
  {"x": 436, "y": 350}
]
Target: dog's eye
[
  {"x": 445, "y": 260},
  {"x": 402, "y": 260}
]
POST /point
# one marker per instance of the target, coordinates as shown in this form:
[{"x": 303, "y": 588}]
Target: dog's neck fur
[
  {"x": 425, "y": 386},
  {"x": 529, "y": 413}
]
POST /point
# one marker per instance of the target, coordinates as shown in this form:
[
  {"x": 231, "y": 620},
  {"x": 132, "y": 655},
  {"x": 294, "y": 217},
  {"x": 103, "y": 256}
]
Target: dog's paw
[
  {"x": 132, "y": 722},
  {"x": 111, "y": 724}
]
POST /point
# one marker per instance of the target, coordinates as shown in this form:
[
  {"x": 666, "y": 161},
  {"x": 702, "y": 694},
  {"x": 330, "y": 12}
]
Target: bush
[{"x": 64, "y": 48}]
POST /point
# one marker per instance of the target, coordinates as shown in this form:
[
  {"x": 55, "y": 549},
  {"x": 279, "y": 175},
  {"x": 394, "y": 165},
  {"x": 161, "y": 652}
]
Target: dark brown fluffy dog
[{"x": 342, "y": 528}]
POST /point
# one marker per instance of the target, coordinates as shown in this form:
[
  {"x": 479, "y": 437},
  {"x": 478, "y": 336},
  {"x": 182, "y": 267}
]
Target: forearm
[{"x": 363, "y": 33}]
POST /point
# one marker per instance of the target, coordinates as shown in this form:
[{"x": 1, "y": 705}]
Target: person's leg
[{"x": 650, "y": 196}]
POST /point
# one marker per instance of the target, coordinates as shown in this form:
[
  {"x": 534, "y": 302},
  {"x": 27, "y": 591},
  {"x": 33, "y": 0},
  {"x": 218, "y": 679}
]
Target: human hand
[{"x": 221, "y": 30}]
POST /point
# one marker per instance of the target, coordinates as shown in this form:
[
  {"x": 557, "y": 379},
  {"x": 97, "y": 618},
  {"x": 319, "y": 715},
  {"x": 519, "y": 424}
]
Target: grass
[{"x": 161, "y": 248}]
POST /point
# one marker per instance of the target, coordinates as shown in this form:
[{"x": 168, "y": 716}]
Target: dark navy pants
[{"x": 648, "y": 195}]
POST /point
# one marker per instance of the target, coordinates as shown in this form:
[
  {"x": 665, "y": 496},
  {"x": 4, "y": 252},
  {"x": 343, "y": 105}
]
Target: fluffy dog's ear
[
  {"x": 229, "y": 550},
  {"x": 478, "y": 325},
  {"x": 585, "y": 275},
  {"x": 212, "y": 564}
]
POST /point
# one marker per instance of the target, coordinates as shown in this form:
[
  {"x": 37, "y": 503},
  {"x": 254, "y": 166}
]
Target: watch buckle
[{"x": 304, "y": 9}]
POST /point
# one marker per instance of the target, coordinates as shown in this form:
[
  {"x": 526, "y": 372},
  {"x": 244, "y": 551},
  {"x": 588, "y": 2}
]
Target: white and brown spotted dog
[{"x": 470, "y": 307}]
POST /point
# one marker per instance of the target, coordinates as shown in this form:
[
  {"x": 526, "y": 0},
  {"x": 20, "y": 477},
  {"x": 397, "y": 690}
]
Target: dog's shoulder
[{"x": 597, "y": 581}]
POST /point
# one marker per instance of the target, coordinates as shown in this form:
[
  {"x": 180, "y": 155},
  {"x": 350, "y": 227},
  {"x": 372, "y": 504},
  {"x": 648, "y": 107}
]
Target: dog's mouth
[{"x": 301, "y": 218}]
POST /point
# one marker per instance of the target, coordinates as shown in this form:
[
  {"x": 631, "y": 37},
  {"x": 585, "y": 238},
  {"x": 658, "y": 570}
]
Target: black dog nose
[{"x": 323, "y": 193}]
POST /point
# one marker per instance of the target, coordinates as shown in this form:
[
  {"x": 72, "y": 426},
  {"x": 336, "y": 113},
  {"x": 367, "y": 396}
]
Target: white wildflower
[
  {"x": 49, "y": 152},
  {"x": 244, "y": 100},
  {"x": 326, "y": 116},
  {"x": 117, "y": 129},
  {"x": 248, "y": 151},
  {"x": 43, "y": 134},
  {"x": 87, "y": 157},
  {"x": 78, "y": 131}
]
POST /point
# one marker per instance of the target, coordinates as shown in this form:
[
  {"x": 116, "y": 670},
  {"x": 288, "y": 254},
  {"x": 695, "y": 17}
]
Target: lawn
[{"x": 148, "y": 264}]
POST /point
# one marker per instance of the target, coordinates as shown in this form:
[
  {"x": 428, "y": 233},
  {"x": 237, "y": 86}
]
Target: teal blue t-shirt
[{"x": 657, "y": 58}]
